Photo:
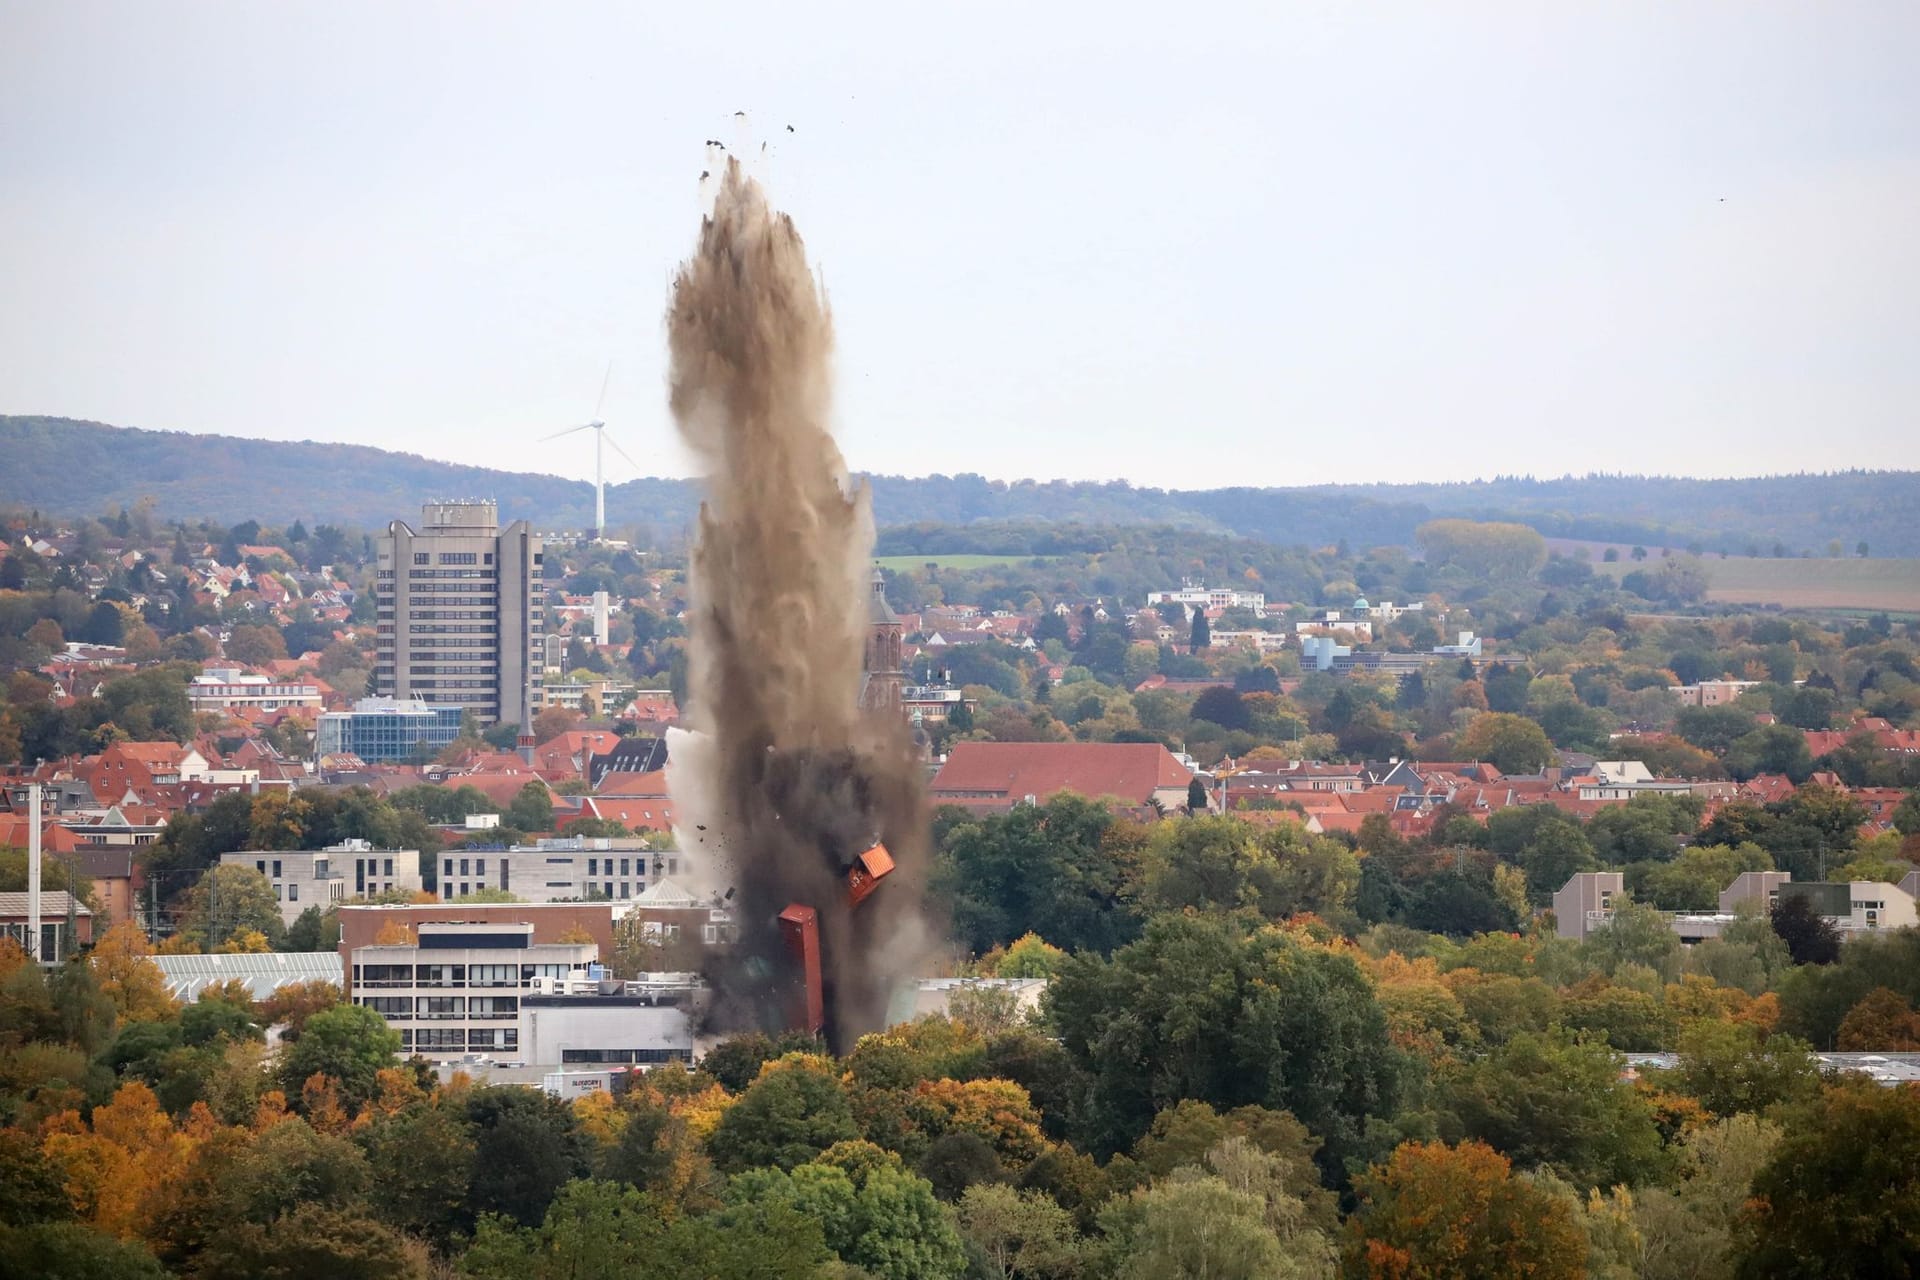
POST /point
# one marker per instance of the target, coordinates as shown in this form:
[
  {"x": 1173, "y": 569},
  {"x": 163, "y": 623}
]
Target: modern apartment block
[
  {"x": 459, "y": 612},
  {"x": 564, "y": 868},
  {"x": 323, "y": 878}
]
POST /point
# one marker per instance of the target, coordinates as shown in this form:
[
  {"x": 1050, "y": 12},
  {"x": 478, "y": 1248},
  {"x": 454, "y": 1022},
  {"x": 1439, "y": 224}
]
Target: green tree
[
  {"x": 1687, "y": 1231},
  {"x": 349, "y": 1044},
  {"x": 527, "y": 1146},
  {"x": 1045, "y": 869},
  {"x": 70, "y": 1251},
  {"x": 1637, "y": 934},
  {"x": 603, "y": 1229},
  {"x": 1200, "y": 634},
  {"x": 1022, "y": 1235},
  {"x": 1732, "y": 1068},
  {"x": 1694, "y": 879},
  {"x": 1837, "y": 1197},
  {"x": 1193, "y": 1228},
  {"x": 785, "y": 1118},
  {"x": 311, "y": 1242},
  {"x": 532, "y": 808},
  {"x": 228, "y": 900},
  {"x": 422, "y": 1160},
  {"x": 875, "y": 1216},
  {"x": 1559, "y": 1102},
  {"x": 1225, "y": 864},
  {"x": 1196, "y": 1009},
  {"x": 1511, "y": 743}
]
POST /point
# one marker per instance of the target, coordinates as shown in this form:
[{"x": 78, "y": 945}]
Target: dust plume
[{"x": 789, "y": 777}]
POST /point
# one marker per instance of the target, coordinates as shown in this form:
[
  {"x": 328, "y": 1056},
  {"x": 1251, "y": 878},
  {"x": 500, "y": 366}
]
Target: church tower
[{"x": 880, "y": 686}]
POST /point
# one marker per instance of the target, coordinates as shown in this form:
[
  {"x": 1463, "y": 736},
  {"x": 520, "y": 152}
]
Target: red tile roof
[{"x": 1011, "y": 771}]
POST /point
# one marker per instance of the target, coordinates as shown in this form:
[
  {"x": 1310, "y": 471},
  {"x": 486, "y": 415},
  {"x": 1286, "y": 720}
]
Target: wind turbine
[{"x": 599, "y": 430}]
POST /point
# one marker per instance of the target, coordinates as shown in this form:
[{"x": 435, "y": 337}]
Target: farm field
[
  {"x": 1891, "y": 585},
  {"x": 963, "y": 560}
]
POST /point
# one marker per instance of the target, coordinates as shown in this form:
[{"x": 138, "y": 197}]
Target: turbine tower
[{"x": 600, "y": 440}]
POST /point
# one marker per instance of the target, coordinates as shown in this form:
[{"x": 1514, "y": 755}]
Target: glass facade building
[{"x": 388, "y": 730}]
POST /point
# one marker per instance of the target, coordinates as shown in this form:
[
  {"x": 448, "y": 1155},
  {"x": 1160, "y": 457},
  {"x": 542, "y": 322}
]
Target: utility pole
[{"x": 33, "y": 871}]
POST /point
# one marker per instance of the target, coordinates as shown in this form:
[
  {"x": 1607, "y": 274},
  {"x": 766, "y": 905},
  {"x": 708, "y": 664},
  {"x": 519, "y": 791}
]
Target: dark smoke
[{"x": 791, "y": 779}]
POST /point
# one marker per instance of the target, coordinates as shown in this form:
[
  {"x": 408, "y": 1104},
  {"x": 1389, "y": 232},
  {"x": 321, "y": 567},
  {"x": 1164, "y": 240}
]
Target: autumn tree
[
  {"x": 122, "y": 964},
  {"x": 1458, "y": 1213},
  {"x": 256, "y": 645},
  {"x": 1883, "y": 1022}
]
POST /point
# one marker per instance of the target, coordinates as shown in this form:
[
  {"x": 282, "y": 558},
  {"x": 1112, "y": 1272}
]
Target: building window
[
  {"x": 593, "y": 866},
  {"x": 420, "y": 557},
  {"x": 293, "y": 893},
  {"x": 278, "y": 893},
  {"x": 480, "y": 867},
  {"x": 463, "y": 866},
  {"x": 448, "y": 870},
  {"x": 276, "y": 868},
  {"x": 623, "y": 888},
  {"x": 388, "y": 869}
]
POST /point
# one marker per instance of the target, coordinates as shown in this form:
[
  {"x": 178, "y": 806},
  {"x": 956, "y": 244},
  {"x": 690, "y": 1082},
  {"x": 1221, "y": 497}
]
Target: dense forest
[{"x": 67, "y": 465}]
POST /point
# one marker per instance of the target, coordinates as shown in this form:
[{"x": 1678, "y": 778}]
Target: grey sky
[{"x": 1185, "y": 245}]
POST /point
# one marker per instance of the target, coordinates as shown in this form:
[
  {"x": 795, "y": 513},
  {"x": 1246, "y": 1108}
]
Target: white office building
[
  {"x": 457, "y": 989},
  {"x": 466, "y": 990},
  {"x": 1198, "y": 595},
  {"x": 562, "y": 869},
  {"x": 303, "y": 878}
]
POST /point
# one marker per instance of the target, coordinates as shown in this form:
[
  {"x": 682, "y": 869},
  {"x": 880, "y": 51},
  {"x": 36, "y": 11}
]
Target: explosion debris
[{"x": 794, "y": 779}]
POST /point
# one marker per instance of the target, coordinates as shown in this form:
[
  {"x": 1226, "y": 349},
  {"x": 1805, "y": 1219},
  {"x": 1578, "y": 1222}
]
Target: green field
[
  {"x": 1892, "y": 585},
  {"x": 906, "y": 564}
]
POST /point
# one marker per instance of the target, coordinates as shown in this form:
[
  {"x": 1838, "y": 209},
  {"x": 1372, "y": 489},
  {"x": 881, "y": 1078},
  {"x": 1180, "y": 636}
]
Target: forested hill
[{"x": 72, "y": 467}]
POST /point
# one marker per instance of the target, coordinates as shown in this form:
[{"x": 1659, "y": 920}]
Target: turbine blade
[
  {"x": 569, "y": 431},
  {"x": 601, "y": 403},
  {"x": 623, "y": 453}
]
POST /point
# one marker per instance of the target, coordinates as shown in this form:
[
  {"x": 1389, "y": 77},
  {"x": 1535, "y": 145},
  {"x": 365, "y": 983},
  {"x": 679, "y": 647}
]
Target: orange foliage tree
[
  {"x": 122, "y": 963},
  {"x": 1458, "y": 1213},
  {"x": 119, "y": 1169},
  {"x": 1882, "y": 1021}
]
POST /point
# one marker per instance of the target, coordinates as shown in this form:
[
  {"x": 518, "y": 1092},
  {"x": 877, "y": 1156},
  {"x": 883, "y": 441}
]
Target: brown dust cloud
[{"x": 785, "y": 779}]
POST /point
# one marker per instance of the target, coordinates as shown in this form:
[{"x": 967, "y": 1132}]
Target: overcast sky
[{"x": 1182, "y": 245}]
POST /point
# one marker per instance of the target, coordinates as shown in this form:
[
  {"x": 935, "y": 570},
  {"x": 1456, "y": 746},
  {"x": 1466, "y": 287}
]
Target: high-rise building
[{"x": 459, "y": 612}]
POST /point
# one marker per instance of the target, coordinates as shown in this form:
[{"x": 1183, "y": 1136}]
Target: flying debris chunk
[
  {"x": 789, "y": 128},
  {"x": 703, "y": 175},
  {"x": 864, "y": 876}
]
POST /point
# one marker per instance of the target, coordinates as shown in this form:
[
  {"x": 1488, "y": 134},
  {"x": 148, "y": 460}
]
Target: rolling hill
[{"x": 72, "y": 467}]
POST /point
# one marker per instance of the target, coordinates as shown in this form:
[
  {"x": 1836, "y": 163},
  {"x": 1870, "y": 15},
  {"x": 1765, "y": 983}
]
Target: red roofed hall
[{"x": 991, "y": 775}]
